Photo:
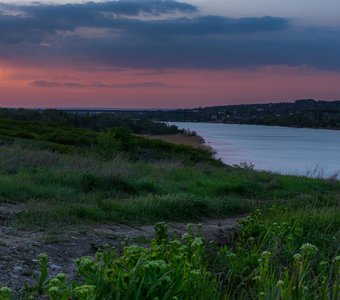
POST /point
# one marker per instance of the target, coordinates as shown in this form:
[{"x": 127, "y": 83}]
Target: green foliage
[
  {"x": 301, "y": 113},
  {"x": 5, "y": 293},
  {"x": 262, "y": 262},
  {"x": 167, "y": 269},
  {"x": 64, "y": 149},
  {"x": 68, "y": 176},
  {"x": 108, "y": 144},
  {"x": 78, "y": 188},
  {"x": 113, "y": 141},
  {"x": 272, "y": 258},
  {"x": 89, "y": 120}
]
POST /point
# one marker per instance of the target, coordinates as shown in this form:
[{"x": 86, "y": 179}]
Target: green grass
[
  {"x": 88, "y": 188},
  {"x": 65, "y": 176},
  {"x": 267, "y": 260}
]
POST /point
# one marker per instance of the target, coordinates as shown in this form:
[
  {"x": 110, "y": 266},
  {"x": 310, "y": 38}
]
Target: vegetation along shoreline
[{"x": 92, "y": 210}]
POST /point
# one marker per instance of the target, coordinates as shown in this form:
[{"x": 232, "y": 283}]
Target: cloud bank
[{"x": 158, "y": 34}]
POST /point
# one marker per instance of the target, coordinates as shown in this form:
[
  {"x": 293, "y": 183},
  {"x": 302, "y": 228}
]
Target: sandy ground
[
  {"x": 193, "y": 141},
  {"x": 19, "y": 248}
]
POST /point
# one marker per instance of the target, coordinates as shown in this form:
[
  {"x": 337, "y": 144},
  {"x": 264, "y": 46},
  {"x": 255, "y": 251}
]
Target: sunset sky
[{"x": 167, "y": 54}]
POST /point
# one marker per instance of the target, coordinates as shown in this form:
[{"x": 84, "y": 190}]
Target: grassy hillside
[{"x": 65, "y": 177}]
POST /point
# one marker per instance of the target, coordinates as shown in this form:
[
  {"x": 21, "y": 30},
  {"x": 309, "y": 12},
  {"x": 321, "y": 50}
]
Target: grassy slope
[{"x": 61, "y": 178}]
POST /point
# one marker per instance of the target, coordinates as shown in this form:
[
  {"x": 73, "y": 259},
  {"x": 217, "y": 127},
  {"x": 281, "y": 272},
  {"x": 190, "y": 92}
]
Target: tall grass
[
  {"x": 291, "y": 258},
  {"x": 89, "y": 189}
]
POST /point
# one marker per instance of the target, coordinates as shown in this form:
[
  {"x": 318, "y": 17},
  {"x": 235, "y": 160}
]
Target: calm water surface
[{"x": 303, "y": 151}]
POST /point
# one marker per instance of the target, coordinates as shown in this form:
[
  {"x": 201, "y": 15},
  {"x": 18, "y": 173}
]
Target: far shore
[{"x": 250, "y": 124}]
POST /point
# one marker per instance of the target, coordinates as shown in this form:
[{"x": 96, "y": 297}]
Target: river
[{"x": 298, "y": 151}]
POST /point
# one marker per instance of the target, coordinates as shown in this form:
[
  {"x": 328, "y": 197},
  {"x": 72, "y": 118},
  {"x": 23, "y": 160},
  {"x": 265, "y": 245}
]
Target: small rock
[
  {"x": 17, "y": 269},
  {"x": 55, "y": 267}
]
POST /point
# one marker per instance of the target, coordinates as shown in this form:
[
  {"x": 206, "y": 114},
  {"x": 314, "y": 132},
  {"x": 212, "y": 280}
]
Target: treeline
[
  {"x": 301, "y": 113},
  {"x": 90, "y": 120}
]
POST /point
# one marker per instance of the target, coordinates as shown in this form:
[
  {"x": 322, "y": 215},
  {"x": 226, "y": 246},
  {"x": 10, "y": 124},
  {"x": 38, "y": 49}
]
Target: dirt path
[{"x": 19, "y": 248}]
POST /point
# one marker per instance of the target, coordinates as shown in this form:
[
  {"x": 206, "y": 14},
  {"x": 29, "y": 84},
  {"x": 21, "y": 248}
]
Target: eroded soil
[{"x": 19, "y": 248}]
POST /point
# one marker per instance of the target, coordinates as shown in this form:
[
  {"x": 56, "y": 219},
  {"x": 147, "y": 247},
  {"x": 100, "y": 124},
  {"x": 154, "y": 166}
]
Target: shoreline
[
  {"x": 195, "y": 141},
  {"x": 249, "y": 124}
]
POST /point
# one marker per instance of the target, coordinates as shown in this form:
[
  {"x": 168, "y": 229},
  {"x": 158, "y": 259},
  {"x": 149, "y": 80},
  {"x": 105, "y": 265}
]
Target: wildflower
[
  {"x": 309, "y": 248},
  {"x": 251, "y": 239},
  {"x": 230, "y": 254},
  {"x": 54, "y": 282},
  {"x": 190, "y": 226},
  {"x": 53, "y": 291},
  {"x": 280, "y": 284},
  {"x": 85, "y": 291},
  {"x": 297, "y": 256},
  {"x": 185, "y": 236},
  {"x": 156, "y": 264},
  {"x": 175, "y": 243},
  {"x": 195, "y": 273},
  {"x": 61, "y": 277},
  {"x": 42, "y": 258},
  {"x": 257, "y": 278},
  {"x": 266, "y": 254},
  {"x": 197, "y": 242}
]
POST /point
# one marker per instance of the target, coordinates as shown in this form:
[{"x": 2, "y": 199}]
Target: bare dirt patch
[{"x": 19, "y": 248}]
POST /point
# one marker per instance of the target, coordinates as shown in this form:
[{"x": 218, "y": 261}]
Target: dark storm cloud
[
  {"x": 36, "y": 23},
  {"x": 140, "y": 34}
]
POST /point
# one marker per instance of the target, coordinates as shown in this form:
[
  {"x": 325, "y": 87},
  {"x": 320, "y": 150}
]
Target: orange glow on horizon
[{"x": 172, "y": 88}]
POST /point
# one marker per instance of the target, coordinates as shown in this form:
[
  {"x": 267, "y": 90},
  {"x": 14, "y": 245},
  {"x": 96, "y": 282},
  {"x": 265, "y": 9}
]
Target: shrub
[{"x": 111, "y": 142}]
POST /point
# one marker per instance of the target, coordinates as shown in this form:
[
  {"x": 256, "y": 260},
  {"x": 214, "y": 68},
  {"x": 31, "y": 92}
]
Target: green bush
[{"x": 113, "y": 141}]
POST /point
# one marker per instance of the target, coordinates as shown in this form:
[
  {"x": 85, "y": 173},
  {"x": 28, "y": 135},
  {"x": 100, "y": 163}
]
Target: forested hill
[
  {"x": 89, "y": 119},
  {"x": 301, "y": 113}
]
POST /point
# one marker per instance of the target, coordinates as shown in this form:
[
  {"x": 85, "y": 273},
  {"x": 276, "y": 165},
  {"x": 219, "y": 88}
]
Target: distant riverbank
[{"x": 252, "y": 124}]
